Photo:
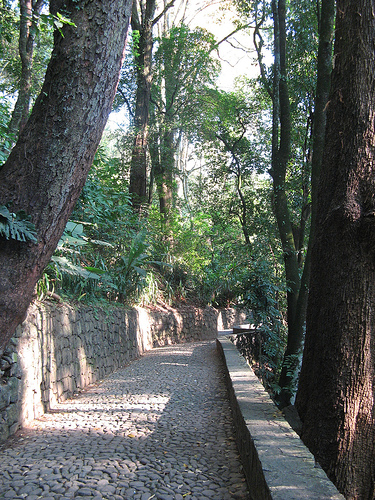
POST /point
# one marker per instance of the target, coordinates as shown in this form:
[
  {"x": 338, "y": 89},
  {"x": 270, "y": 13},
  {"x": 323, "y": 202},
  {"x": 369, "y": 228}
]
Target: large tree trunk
[
  {"x": 47, "y": 168},
  {"x": 336, "y": 390},
  {"x": 164, "y": 174},
  {"x": 143, "y": 23},
  {"x": 323, "y": 85},
  {"x": 298, "y": 285}
]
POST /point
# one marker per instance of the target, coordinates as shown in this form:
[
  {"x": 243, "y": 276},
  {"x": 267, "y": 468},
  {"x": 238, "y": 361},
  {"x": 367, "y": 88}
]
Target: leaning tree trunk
[
  {"x": 47, "y": 168},
  {"x": 336, "y": 390}
]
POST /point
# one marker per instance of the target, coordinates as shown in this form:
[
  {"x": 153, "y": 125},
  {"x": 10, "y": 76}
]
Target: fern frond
[{"x": 16, "y": 226}]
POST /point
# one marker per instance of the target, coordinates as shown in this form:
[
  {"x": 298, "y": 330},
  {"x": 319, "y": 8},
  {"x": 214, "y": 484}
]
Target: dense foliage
[
  {"x": 207, "y": 234},
  {"x": 207, "y": 193}
]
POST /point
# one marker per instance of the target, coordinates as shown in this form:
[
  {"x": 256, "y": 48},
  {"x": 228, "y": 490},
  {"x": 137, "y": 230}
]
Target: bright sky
[{"x": 237, "y": 55}]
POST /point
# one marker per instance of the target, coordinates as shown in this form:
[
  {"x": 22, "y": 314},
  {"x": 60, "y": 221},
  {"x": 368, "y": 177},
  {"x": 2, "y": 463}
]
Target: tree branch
[
  {"x": 135, "y": 22},
  {"x": 239, "y": 28},
  {"x": 122, "y": 93},
  {"x": 166, "y": 8},
  {"x": 258, "y": 48}
]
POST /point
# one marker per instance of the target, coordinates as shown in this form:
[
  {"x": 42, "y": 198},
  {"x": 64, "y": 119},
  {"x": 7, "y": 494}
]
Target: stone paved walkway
[{"x": 160, "y": 428}]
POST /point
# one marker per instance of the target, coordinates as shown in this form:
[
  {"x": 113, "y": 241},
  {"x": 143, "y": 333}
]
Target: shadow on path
[{"x": 160, "y": 428}]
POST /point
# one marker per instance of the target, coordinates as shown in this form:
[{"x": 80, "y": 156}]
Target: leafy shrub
[
  {"x": 16, "y": 226},
  {"x": 261, "y": 296},
  {"x": 68, "y": 272},
  {"x": 6, "y": 140}
]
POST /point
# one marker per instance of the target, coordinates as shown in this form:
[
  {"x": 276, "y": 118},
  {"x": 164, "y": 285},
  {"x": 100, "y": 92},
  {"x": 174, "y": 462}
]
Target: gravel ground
[{"x": 160, "y": 428}]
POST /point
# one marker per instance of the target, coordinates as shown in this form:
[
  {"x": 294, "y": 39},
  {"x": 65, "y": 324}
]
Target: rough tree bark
[
  {"x": 47, "y": 168},
  {"x": 336, "y": 390}
]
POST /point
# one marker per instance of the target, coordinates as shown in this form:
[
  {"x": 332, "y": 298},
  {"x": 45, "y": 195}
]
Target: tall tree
[
  {"x": 185, "y": 68},
  {"x": 292, "y": 90},
  {"x": 142, "y": 25},
  {"x": 289, "y": 373},
  {"x": 281, "y": 146},
  {"x": 29, "y": 15},
  {"x": 336, "y": 390},
  {"x": 142, "y": 22},
  {"x": 47, "y": 168},
  {"x": 227, "y": 120}
]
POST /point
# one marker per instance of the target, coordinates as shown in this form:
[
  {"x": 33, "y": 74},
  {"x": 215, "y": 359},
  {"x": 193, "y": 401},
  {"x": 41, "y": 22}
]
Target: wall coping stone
[{"x": 276, "y": 463}]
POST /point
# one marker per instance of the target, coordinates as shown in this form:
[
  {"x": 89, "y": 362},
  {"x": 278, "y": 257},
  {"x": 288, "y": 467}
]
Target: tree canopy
[{"x": 206, "y": 194}]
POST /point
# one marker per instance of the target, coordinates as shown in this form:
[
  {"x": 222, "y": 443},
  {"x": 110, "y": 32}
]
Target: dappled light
[
  {"x": 156, "y": 427},
  {"x": 236, "y": 172}
]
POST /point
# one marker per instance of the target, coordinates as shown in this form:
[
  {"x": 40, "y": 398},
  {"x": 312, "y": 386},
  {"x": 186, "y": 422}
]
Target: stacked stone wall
[{"x": 59, "y": 350}]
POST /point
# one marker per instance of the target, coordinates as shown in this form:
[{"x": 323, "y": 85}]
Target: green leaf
[
  {"x": 140, "y": 271},
  {"x": 70, "y": 240},
  {"x": 95, "y": 270},
  {"x": 101, "y": 243},
  {"x": 66, "y": 266},
  {"x": 16, "y": 226},
  {"x": 74, "y": 228}
]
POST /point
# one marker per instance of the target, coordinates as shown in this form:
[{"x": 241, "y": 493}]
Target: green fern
[
  {"x": 66, "y": 266},
  {"x": 16, "y": 226}
]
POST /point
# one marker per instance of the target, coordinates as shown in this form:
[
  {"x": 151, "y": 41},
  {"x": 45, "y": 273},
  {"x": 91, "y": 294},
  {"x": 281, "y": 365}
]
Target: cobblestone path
[{"x": 160, "y": 428}]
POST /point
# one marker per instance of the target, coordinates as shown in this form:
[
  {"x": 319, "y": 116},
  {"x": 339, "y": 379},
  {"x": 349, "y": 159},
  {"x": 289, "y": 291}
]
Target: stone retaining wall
[
  {"x": 277, "y": 464},
  {"x": 60, "y": 349}
]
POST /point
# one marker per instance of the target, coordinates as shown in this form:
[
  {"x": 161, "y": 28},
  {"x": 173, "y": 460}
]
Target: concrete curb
[{"x": 276, "y": 463}]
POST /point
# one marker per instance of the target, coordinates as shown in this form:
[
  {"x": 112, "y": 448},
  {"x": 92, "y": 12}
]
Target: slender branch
[
  {"x": 239, "y": 28},
  {"x": 258, "y": 48},
  {"x": 166, "y": 8},
  {"x": 122, "y": 93}
]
